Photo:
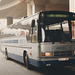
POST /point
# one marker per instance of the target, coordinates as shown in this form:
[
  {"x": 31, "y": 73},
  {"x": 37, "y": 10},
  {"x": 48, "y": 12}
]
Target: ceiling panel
[
  {"x": 59, "y": 1},
  {"x": 8, "y": 3},
  {"x": 17, "y": 11}
]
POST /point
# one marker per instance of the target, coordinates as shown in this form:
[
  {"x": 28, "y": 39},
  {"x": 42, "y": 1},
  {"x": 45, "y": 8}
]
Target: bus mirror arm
[{"x": 33, "y": 23}]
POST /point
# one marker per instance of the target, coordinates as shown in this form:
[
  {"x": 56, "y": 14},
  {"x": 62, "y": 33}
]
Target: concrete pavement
[{"x": 11, "y": 67}]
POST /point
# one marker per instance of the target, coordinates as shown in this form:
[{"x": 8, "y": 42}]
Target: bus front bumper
[{"x": 44, "y": 62}]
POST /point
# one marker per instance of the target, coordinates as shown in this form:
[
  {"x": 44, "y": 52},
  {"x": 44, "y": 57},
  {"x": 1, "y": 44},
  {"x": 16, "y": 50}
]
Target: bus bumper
[{"x": 52, "y": 62}]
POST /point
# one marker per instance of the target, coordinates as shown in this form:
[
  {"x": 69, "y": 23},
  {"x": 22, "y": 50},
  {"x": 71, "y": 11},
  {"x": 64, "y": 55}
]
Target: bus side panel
[{"x": 34, "y": 53}]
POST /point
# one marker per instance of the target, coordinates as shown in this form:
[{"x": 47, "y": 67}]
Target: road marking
[{"x": 70, "y": 67}]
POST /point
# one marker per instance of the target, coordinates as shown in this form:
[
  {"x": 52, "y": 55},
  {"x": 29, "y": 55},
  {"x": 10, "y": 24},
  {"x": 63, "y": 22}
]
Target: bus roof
[{"x": 63, "y": 12}]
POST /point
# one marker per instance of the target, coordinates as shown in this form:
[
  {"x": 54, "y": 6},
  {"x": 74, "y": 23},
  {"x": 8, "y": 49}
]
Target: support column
[
  {"x": 30, "y": 7},
  {"x": 72, "y": 5},
  {"x": 9, "y": 20},
  {"x": 72, "y": 9},
  {"x": 34, "y": 6}
]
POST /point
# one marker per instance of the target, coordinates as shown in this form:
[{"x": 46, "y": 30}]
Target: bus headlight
[{"x": 46, "y": 54}]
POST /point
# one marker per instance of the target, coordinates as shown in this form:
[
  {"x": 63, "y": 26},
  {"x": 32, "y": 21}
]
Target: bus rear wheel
[{"x": 6, "y": 55}]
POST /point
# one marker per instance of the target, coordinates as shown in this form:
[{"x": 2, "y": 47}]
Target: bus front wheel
[{"x": 26, "y": 59}]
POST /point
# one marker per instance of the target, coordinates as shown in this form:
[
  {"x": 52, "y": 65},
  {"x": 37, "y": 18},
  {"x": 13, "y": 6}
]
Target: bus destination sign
[{"x": 57, "y": 15}]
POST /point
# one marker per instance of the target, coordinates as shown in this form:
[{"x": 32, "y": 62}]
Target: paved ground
[{"x": 11, "y": 67}]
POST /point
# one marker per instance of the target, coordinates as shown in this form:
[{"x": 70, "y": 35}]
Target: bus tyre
[
  {"x": 6, "y": 55},
  {"x": 28, "y": 66}
]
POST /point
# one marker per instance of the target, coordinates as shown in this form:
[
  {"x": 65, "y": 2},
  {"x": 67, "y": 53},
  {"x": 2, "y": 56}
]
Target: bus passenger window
[
  {"x": 29, "y": 38},
  {"x": 34, "y": 38},
  {"x": 34, "y": 35}
]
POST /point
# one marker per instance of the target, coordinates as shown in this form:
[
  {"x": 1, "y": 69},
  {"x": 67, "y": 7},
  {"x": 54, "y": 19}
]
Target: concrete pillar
[
  {"x": 30, "y": 7},
  {"x": 72, "y": 5},
  {"x": 72, "y": 9},
  {"x": 9, "y": 20},
  {"x": 34, "y": 6}
]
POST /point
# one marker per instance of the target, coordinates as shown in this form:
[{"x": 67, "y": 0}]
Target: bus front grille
[{"x": 62, "y": 53}]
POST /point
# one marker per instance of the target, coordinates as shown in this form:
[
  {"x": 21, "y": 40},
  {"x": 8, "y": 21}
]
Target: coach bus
[{"x": 43, "y": 39}]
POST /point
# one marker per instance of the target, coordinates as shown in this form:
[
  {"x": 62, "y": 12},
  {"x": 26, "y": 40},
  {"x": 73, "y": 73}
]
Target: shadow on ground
[{"x": 58, "y": 70}]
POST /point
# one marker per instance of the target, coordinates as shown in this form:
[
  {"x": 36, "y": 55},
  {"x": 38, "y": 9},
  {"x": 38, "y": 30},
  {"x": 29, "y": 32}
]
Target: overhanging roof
[{"x": 17, "y": 10}]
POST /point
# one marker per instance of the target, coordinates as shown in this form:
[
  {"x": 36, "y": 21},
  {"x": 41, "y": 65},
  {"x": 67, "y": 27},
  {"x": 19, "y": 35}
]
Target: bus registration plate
[{"x": 63, "y": 59}]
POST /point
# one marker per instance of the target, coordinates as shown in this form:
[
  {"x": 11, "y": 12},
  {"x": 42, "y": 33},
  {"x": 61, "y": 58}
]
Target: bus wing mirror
[{"x": 33, "y": 23}]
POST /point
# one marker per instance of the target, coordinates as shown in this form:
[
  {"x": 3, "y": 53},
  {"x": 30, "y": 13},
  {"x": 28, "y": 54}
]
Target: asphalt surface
[{"x": 12, "y": 67}]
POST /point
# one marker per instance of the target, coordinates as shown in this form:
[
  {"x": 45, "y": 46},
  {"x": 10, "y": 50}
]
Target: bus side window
[
  {"x": 34, "y": 31},
  {"x": 28, "y": 38},
  {"x": 32, "y": 38}
]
